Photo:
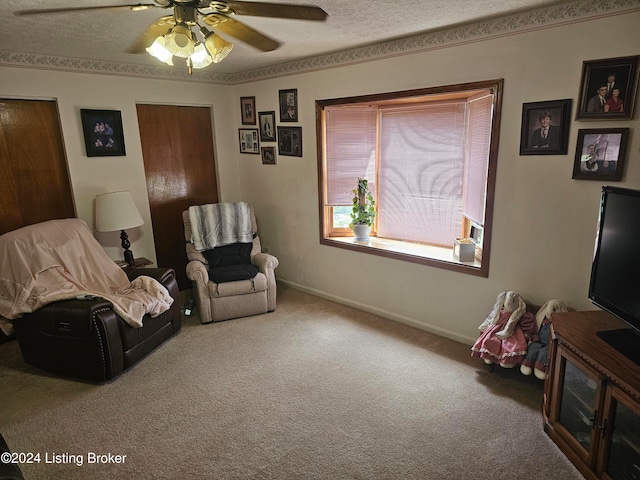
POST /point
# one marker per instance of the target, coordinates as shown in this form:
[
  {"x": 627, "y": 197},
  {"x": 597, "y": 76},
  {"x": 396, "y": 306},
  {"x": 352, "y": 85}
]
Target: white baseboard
[{"x": 382, "y": 313}]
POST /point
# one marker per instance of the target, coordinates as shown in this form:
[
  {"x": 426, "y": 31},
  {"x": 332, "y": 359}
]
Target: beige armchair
[{"x": 233, "y": 299}]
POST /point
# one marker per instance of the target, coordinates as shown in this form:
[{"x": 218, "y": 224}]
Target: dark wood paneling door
[
  {"x": 177, "y": 146},
  {"x": 34, "y": 179}
]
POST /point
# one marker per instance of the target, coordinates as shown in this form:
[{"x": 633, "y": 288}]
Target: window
[{"x": 429, "y": 156}]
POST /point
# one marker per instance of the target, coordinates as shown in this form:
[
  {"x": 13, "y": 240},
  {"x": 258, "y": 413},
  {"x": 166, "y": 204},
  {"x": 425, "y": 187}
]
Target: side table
[{"x": 137, "y": 263}]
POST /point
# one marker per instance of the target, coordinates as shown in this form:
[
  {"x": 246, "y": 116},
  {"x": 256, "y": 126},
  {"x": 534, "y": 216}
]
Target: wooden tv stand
[{"x": 591, "y": 403}]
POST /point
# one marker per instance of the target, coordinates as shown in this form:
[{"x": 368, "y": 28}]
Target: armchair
[
  {"x": 224, "y": 300},
  {"x": 76, "y": 313}
]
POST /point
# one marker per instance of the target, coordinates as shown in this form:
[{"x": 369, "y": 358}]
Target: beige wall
[{"x": 544, "y": 222}]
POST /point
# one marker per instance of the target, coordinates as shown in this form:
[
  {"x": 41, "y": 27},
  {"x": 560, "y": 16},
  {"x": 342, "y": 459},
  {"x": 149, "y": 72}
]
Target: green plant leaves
[{"x": 364, "y": 206}]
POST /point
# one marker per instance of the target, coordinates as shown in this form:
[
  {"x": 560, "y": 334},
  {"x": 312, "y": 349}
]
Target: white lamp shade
[
  {"x": 179, "y": 41},
  {"x": 217, "y": 46},
  {"x": 116, "y": 211},
  {"x": 200, "y": 57},
  {"x": 158, "y": 50}
]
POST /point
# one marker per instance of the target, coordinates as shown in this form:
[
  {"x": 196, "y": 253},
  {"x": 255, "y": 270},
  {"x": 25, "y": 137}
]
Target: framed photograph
[
  {"x": 248, "y": 110},
  {"x": 288, "y": 100},
  {"x": 608, "y": 88},
  {"x": 600, "y": 154},
  {"x": 545, "y": 127},
  {"x": 249, "y": 140},
  {"x": 103, "y": 135},
  {"x": 268, "y": 155},
  {"x": 290, "y": 141},
  {"x": 267, "y": 122}
]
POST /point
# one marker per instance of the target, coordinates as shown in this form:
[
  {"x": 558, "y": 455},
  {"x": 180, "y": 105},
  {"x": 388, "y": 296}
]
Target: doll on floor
[
  {"x": 535, "y": 360},
  {"x": 506, "y": 332}
]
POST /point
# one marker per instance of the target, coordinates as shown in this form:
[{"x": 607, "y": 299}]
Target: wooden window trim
[{"x": 496, "y": 86}]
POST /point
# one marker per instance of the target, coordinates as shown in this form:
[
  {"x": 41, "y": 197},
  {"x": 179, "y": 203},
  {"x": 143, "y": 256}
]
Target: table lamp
[{"x": 116, "y": 211}]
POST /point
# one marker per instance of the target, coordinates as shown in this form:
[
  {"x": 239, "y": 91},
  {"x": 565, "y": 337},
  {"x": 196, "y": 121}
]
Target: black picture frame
[
  {"x": 553, "y": 139},
  {"x": 288, "y": 101},
  {"x": 248, "y": 139},
  {"x": 595, "y": 76},
  {"x": 248, "y": 110},
  {"x": 268, "y": 155},
  {"x": 267, "y": 124},
  {"x": 600, "y": 154},
  {"x": 103, "y": 134},
  {"x": 290, "y": 141}
]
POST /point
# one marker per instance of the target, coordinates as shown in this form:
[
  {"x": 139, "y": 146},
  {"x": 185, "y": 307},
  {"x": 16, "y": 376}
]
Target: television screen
[{"x": 615, "y": 273}]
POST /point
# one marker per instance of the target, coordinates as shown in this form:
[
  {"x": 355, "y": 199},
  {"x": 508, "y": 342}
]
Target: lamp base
[{"x": 128, "y": 256}]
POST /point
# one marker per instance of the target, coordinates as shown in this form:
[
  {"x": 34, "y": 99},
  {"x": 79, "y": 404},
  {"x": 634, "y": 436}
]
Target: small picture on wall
[
  {"x": 608, "y": 88},
  {"x": 290, "y": 141},
  {"x": 545, "y": 127},
  {"x": 103, "y": 135},
  {"x": 288, "y": 100},
  {"x": 268, "y": 155},
  {"x": 249, "y": 140},
  {"x": 600, "y": 154},
  {"x": 267, "y": 122},
  {"x": 248, "y": 110}
]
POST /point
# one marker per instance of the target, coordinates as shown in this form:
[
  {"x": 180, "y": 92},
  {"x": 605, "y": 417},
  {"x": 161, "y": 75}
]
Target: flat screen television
[{"x": 615, "y": 272}]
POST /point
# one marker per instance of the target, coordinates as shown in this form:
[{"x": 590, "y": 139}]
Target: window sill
[{"x": 439, "y": 257}]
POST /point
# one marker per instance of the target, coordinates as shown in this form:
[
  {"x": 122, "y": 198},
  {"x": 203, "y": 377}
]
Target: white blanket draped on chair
[
  {"x": 60, "y": 260},
  {"x": 218, "y": 224}
]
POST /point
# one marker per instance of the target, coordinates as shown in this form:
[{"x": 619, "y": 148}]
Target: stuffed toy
[
  {"x": 535, "y": 360},
  {"x": 506, "y": 331}
]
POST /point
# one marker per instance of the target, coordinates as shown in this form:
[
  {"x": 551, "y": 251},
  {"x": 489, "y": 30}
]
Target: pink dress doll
[{"x": 506, "y": 332}]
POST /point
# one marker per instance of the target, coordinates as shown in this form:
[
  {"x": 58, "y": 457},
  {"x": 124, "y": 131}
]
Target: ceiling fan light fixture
[
  {"x": 217, "y": 46},
  {"x": 179, "y": 41},
  {"x": 200, "y": 57},
  {"x": 159, "y": 51}
]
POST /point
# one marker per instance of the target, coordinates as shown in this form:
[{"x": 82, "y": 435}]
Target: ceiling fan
[{"x": 172, "y": 35}]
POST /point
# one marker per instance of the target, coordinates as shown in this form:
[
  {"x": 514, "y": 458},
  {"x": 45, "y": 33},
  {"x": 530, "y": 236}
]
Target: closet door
[
  {"x": 177, "y": 146},
  {"x": 34, "y": 180}
]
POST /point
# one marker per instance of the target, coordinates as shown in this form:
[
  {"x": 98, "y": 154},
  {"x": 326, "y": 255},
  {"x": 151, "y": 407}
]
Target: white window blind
[
  {"x": 422, "y": 153},
  {"x": 476, "y": 170},
  {"x": 350, "y": 151}
]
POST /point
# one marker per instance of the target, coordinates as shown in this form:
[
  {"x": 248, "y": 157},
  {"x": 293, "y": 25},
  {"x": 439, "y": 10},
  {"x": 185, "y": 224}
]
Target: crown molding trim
[
  {"x": 543, "y": 18},
  {"x": 549, "y": 17},
  {"x": 79, "y": 65}
]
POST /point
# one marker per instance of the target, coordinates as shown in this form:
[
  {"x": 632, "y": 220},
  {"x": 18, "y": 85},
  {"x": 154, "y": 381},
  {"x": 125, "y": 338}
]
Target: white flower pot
[{"x": 361, "y": 232}]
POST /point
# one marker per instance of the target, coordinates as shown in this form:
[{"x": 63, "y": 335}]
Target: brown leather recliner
[
  {"x": 73, "y": 310},
  {"x": 86, "y": 339}
]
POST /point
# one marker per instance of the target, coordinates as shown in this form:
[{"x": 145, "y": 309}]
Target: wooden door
[
  {"x": 177, "y": 147},
  {"x": 34, "y": 179}
]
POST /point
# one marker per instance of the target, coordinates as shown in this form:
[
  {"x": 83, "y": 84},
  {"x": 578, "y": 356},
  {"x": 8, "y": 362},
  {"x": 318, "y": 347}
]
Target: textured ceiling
[{"x": 102, "y": 36}]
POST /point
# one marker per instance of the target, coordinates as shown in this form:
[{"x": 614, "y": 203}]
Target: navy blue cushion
[
  {"x": 230, "y": 263},
  {"x": 233, "y": 254}
]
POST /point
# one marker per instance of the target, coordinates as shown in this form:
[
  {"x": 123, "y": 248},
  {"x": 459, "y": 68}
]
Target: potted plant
[{"x": 363, "y": 212}]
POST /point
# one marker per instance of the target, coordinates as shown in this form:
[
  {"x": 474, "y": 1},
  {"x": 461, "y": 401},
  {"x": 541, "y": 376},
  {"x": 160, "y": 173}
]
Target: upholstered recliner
[
  {"x": 73, "y": 310},
  {"x": 224, "y": 300}
]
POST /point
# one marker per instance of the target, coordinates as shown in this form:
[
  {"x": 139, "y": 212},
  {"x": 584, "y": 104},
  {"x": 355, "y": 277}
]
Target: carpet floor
[{"x": 314, "y": 390}]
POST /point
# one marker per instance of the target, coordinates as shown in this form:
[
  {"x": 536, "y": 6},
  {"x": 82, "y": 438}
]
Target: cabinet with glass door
[{"x": 592, "y": 399}]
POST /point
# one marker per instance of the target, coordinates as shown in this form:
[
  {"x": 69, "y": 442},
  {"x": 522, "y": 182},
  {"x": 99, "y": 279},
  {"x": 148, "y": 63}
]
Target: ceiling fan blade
[
  {"x": 278, "y": 10},
  {"x": 244, "y": 33},
  {"x": 135, "y": 7},
  {"x": 146, "y": 38}
]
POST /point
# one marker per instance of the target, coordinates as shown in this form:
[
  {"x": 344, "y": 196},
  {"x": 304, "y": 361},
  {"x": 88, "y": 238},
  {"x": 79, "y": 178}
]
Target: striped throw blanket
[{"x": 217, "y": 224}]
